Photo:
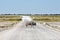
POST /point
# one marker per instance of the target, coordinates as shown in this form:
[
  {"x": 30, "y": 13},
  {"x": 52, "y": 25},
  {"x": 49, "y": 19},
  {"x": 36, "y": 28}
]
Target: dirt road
[{"x": 38, "y": 32}]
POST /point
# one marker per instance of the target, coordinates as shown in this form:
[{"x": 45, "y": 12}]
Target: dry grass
[
  {"x": 14, "y": 19},
  {"x": 47, "y": 18},
  {"x": 35, "y": 18}
]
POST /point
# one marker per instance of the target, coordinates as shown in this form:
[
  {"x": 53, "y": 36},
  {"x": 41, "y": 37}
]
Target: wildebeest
[
  {"x": 31, "y": 24},
  {"x": 28, "y": 21}
]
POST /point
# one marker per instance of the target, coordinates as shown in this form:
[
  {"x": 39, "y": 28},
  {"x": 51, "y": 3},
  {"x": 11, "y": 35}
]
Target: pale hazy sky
[{"x": 29, "y": 6}]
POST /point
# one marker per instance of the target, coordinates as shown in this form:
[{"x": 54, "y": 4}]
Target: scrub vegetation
[{"x": 35, "y": 18}]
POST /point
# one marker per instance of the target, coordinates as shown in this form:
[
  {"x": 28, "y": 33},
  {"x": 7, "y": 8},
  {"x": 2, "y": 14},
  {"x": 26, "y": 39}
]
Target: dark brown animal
[{"x": 31, "y": 23}]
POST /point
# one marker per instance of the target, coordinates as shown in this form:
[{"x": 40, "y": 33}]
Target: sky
[{"x": 29, "y": 6}]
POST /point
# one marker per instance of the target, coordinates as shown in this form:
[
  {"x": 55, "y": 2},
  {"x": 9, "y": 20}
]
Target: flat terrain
[
  {"x": 38, "y": 32},
  {"x": 35, "y": 18},
  {"x": 47, "y": 28},
  {"x": 6, "y": 25}
]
